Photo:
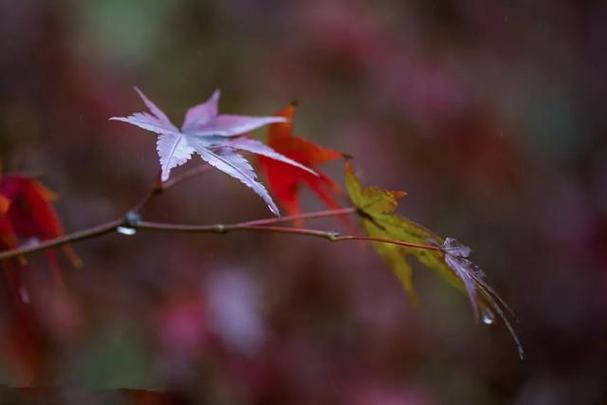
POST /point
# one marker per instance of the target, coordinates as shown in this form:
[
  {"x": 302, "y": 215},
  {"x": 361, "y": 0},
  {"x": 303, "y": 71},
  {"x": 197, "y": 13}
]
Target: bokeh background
[{"x": 491, "y": 115}]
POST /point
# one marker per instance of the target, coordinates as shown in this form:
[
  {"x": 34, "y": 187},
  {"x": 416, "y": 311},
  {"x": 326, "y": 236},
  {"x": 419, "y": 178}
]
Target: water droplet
[
  {"x": 126, "y": 230},
  {"x": 488, "y": 317},
  {"x": 24, "y": 295}
]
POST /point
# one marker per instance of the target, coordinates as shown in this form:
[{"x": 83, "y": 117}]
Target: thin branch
[
  {"x": 159, "y": 187},
  {"x": 244, "y": 226},
  {"x": 308, "y": 215},
  {"x": 186, "y": 175},
  {"x": 154, "y": 191},
  {"x": 96, "y": 231},
  {"x": 111, "y": 226},
  {"x": 259, "y": 225}
]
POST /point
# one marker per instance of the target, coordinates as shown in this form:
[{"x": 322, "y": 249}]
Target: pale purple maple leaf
[
  {"x": 473, "y": 278},
  {"x": 215, "y": 137},
  {"x": 456, "y": 257}
]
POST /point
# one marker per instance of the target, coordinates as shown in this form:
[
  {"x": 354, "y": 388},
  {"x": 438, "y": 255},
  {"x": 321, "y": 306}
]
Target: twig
[
  {"x": 308, "y": 215},
  {"x": 259, "y": 225},
  {"x": 111, "y": 226},
  {"x": 159, "y": 187},
  {"x": 108, "y": 227},
  {"x": 131, "y": 219},
  {"x": 98, "y": 230},
  {"x": 244, "y": 226},
  {"x": 186, "y": 175}
]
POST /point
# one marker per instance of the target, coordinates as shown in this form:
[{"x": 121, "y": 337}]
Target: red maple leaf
[
  {"x": 28, "y": 210},
  {"x": 284, "y": 180},
  {"x": 25, "y": 213},
  {"x": 8, "y": 240}
]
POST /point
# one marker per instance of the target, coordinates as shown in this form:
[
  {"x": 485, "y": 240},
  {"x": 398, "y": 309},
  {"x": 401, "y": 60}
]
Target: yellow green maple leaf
[{"x": 376, "y": 208}]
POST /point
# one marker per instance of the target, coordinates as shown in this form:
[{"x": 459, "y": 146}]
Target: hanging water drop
[
  {"x": 126, "y": 230},
  {"x": 488, "y": 317},
  {"x": 131, "y": 220}
]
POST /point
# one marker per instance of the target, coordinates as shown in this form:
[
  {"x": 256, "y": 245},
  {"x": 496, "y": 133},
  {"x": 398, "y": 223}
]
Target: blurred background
[{"x": 491, "y": 116}]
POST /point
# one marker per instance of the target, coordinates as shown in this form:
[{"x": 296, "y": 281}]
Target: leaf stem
[
  {"x": 159, "y": 187},
  {"x": 186, "y": 175}
]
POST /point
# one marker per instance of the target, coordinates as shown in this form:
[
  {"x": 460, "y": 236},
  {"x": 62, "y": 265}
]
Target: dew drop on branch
[{"x": 126, "y": 230}]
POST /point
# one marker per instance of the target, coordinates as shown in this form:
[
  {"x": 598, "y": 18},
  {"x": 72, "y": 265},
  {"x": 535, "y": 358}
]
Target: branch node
[
  {"x": 220, "y": 228},
  {"x": 333, "y": 236},
  {"x": 132, "y": 219}
]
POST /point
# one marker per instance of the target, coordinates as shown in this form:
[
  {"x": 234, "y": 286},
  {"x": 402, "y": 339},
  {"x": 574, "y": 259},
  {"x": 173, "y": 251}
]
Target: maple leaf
[
  {"x": 26, "y": 214},
  {"x": 213, "y": 137},
  {"x": 31, "y": 215},
  {"x": 283, "y": 180},
  {"x": 449, "y": 258}
]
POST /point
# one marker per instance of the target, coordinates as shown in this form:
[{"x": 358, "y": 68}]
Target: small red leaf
[
  {"x": 284, "y": 180},
  {"x": 26, "y": 213},
  {"x": 31, "y": 214}
]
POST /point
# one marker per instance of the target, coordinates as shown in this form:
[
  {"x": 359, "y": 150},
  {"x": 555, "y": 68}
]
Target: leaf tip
[
  {"x": 216, "y": 95},
  {"x": 288, "y": 112},
  {"x": 139, "y": 92},
  {"x": 274, "y": 209}
]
